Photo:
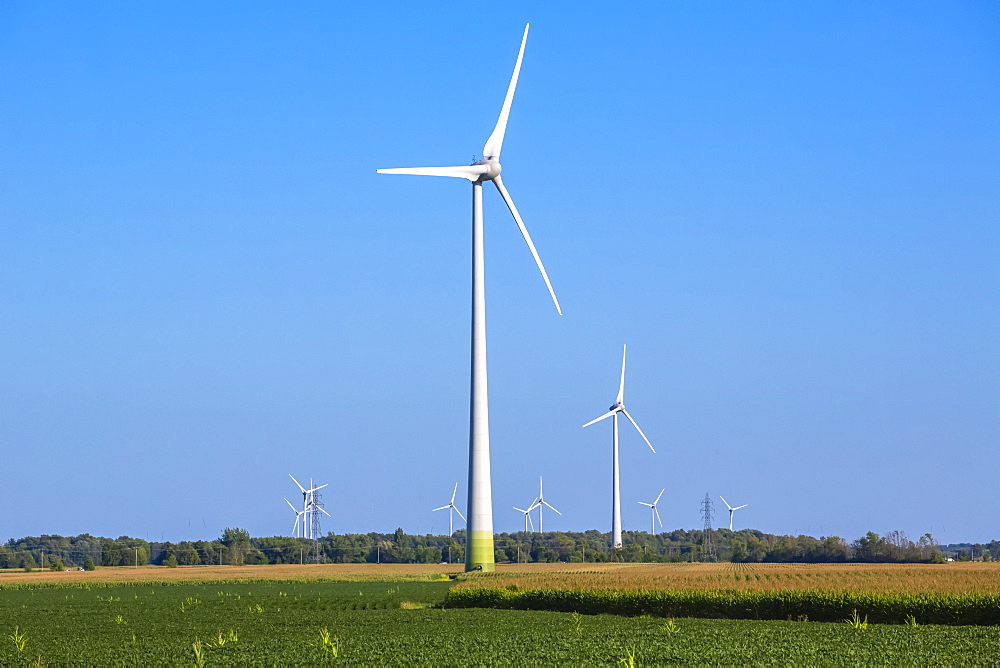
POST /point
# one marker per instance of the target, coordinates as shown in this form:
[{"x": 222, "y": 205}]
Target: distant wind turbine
[
  {"x": 527, "y": 515},
  {"x": 451, "y": 507},
  {"x": 308, "y": 505},
  {"x": 654, "y": 514},
  {"x": 732, "y": 510},
  {"x": 616, "y": 500},
  {"x": 542, "y": 502},
  {"x": 480, "y": 555},
  {"x": 298, "y": 515}
]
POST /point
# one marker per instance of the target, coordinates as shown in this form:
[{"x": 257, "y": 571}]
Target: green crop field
[{"x": 370, "y": 623}]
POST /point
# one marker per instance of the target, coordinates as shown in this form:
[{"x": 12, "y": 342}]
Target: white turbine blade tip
[
  {"x": 639, "y": 430},
  {"x": 603, "y": 417},
  {"x": 498, "y": 182},
  {"x": 441, "y": 508},
  {"x": 645, "y": 504},
  {"x": 621, "y": 385},
  {"x": 470, "y": 172},
  {"x": 495, "y": 143}
]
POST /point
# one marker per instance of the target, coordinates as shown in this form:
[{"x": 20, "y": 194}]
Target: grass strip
[{"x": 816, "y": 606}]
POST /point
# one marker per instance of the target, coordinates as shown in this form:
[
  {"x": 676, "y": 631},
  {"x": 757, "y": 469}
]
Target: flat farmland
[
  {"x": 938, "y": 579},
  {"x": 194, "y": 574},
  {"x": 952, "y": 578}
]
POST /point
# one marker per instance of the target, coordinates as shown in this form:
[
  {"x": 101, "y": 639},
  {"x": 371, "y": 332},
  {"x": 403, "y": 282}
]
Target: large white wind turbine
[
  {"x": 732, "y": 510},
  {"x": 542, "y": 502},
  {"x": 480, "y": 524},
  {"x": 451, "y": 507},
  {"x": 654, "y": 514},
  {"x": 616, "y": 502}
]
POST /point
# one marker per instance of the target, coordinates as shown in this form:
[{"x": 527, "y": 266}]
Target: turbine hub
[
  {"x": 494, "y": 166},
  {"x": 617, "y": 407}
]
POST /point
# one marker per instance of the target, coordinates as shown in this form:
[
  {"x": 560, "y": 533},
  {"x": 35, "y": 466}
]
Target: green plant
[
  {"x": 199, "y": 655},
  {"x": 577, "y": 620},
  {"x": 628, "y": 660},
  {"x": 855, "y": 622},
  {"x": 119, "y": 619},
  {"x": 330, "y": 645},
  {"x": 670, "y": 626},
  {"x": 19, "y": 639},
  {"x": 911, "y": 621}
]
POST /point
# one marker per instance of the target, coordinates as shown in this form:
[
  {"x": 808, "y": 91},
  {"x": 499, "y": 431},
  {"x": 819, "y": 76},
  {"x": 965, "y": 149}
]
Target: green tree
[
  {"x": 170, "y": 561},
  {"x": 238, "y": 543},
  {"x": 89, "y": 565}
]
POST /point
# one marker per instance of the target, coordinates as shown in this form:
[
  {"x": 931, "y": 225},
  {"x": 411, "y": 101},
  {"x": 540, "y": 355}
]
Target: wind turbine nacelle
[{"x": 494, "y": 167}]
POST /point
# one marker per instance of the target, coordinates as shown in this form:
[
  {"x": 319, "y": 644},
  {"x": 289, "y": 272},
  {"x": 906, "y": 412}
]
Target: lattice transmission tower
[
  {"x": 315, "y": 531},
  {"x": 707, "y": 513}
]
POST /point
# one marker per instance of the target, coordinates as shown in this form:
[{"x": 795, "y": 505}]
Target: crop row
[{"x": 820, "y": 606}]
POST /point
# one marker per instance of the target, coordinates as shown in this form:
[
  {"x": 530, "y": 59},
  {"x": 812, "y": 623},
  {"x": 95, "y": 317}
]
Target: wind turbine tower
[
  {"x": 479, "y": 555},
  {"x": 732, "y": 510},
  {"x": 616, "y": 497}
]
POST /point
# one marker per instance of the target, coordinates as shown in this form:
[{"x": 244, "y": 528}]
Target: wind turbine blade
[
  {"x": 639, "y": 430},
  {"x": 470, "y": 172},
  {"x": 621, "y": 385},
  {"x": 441, "y": 508},
  {"x": 318, "y": 488},
  {"x": 454, "y": 493},
  {"x": 460, "y": 514},
  {"x": 531, "y": 523},
  {"x": 291, "y": 506},
  {"x": 659, "y": 495},
  {"x": 534, "y": 504},
  {"x": 297, "y": 483},
  {"x": 726, "y": 502},
  {"x": 645, "y": 504},
  {"x": 658, "y": 516},
  {"x": 520, "y": 510},
  {"x": 498, "y": 182},
  {"x": 322, "y": 510},
  {"x": 606, "y": 415},
  {"x": 743, "y": 506},
  {"x": 550, "y": 506},
  {"x": 495, "y": 142}
]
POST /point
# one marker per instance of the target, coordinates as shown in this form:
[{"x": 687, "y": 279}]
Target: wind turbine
[
  {"x": 451, "y": 506},
  {"x": 616, "y": 503},
  {"x": 307, "y": 504},
  {"x": 542, "y": 502},
  {"x": 527, "y": 515},
  {"x": 654, "y": 514},
  {"x": 480, "y": 505},
  {"x": 732, "y": 510},
  {"x": 298, "y": 515}
]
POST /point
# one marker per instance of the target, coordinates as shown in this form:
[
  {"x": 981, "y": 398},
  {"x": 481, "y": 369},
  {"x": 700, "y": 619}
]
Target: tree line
[{"x": 236, "y": 547}]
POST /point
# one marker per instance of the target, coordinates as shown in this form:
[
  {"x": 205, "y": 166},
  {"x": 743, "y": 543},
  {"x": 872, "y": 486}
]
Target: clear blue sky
[{"x": 789, "y": 211}]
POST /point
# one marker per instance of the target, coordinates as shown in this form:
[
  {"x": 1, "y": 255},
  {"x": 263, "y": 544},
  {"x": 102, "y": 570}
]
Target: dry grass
[
  {"x": 354, "y": 572},
  {"x": 952, "y": 578}
]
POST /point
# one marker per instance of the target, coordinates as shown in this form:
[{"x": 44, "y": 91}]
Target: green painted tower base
[{"x": 479, "y": 555}]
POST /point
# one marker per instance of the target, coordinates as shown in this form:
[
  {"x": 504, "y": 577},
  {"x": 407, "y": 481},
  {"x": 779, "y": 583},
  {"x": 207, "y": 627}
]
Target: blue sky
[{"x": 787, "y": 210}]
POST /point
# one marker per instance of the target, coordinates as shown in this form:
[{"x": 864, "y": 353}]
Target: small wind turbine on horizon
[
  {"x": 451, "y": 507},
  {"x": 309, "y": 505},
  {"x": 542, "y": 502},
  {"x": 298, "y": 516},
  {"x": 616, "y": 500},
  {"x": 527, "y": 515},
  {"x": 732, "y": 510},
  {"x": 480, "y": 553},
  {"x": 654, "y": 513}
]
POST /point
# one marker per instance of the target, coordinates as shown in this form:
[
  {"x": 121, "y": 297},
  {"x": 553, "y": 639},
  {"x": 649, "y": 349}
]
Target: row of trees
[{"x": 237, "y": 547}]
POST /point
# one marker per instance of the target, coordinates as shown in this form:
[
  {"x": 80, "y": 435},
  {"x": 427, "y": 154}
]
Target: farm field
[
  {"x": 952, "y": 578},
  {"x": 390, "y": 623}
]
